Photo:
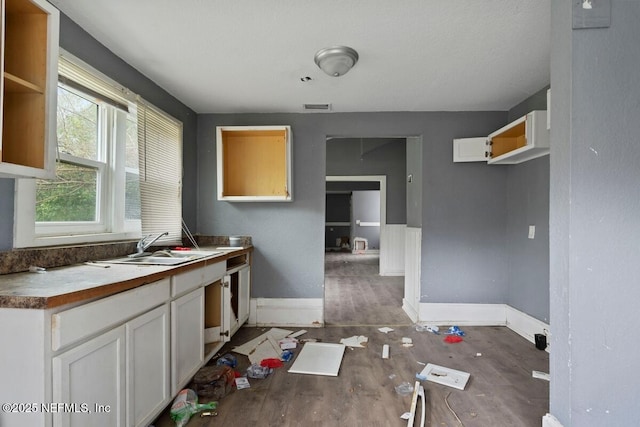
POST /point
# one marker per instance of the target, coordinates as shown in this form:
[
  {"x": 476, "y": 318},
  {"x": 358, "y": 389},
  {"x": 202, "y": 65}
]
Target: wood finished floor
[
  {"x": 355, "y": 294},
  {"x": 500, "y": 392}
]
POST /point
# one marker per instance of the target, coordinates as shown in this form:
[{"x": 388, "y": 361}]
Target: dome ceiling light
[{"x": 336, "y": 61}]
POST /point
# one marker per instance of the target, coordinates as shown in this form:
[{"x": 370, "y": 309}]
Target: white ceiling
[{"x": 225, "y": 56}]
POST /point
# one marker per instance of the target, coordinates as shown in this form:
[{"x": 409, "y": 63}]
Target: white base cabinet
[
  {"x": 90, "y": 378},
  {"x": 118, "y": 360}
]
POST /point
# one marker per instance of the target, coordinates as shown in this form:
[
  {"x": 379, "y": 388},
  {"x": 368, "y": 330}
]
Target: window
[{"x": 96, "y": 195}]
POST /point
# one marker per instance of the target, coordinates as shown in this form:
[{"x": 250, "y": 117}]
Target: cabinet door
[
  {"x": 470, "y": 150},
  {"x": 148, "y": 381},
  {"x": 90, "y": 378},
  {"x": 187, "y": 338},
  {"x": 244, "y": 294}
]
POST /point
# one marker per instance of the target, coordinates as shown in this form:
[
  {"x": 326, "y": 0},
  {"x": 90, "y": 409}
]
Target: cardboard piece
[{"x": 261, "y": 347}]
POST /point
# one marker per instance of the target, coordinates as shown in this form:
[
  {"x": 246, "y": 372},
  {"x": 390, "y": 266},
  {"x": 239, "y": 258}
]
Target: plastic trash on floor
[
  {"x": 185, "y": 405},
  {"x": 454, "y": 330}
]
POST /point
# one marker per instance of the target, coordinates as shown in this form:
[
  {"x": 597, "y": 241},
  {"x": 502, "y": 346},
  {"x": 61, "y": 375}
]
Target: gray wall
[
  {"x": 78, "y": 42},
  {"x": 464, "y": 224},
  {"x": 414, "y": 188},
  {"x": 528, "y": 204},
  {"x": 373, "y": 156},
  {"x": 537, "y": 101},
  {"x": 366, "y": 208},
  {"x": 595, "y": 218}
]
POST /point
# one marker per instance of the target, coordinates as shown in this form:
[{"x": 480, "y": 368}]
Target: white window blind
[
  {"x": 83, "y": 78},
  {"x": 160, "y": 153}
]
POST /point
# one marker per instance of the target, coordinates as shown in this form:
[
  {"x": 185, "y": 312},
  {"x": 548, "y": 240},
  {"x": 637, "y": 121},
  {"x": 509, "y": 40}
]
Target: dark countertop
[{"x": 74, "y": 283}]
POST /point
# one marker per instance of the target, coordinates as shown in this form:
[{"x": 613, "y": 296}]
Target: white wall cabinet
[
  {"x": 254, "y": 163},
  {"x": 524, "y": 139},
  {"x": 29, "y": 57}
]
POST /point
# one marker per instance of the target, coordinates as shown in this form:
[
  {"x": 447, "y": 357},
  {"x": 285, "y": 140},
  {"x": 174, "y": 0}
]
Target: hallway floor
[{"x": 355, "y": 294}]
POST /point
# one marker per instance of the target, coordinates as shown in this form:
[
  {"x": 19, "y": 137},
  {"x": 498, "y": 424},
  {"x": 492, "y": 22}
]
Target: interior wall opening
[{"x": 366, "y": 179}]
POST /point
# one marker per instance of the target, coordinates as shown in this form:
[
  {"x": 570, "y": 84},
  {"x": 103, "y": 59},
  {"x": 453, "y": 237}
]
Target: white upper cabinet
[
  {"x": 523, "y": 139},
  {"x": 29, "y": 80},
  {"x": 254, "y": 163}
]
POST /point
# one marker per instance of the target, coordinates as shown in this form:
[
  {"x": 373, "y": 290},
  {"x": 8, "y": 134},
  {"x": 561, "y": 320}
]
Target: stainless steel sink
[{"x": 164, "y": 258}]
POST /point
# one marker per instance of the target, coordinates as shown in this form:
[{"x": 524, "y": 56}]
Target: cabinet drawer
[
  {"x": 70, "y": 326},
  {"x": 187, "y": 281},
  {"x": 214, "y": 272}
]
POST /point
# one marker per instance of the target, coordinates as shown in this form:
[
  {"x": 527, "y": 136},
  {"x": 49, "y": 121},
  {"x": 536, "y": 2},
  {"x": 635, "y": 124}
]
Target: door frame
[{"x": 382, "y": 179}]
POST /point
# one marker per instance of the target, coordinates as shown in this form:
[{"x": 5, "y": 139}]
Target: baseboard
[
  {"x": 299, "y": 312},
  {"x": 411, "y": 312},
  {"x": 525, "y": 325},
  {"x": 482, "y": 315},
  {"x": 550, "y": 421},
  {"x": 463, "y": 314}
]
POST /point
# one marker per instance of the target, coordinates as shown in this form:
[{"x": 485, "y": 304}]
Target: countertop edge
[{"x": 101, "y": 291}]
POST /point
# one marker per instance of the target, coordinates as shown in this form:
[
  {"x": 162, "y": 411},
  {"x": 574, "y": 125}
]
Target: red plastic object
[
  {"x": 271, "y": 363},
  {"x": 181, "y": 248},
  {"x": 452, "y": 339}
]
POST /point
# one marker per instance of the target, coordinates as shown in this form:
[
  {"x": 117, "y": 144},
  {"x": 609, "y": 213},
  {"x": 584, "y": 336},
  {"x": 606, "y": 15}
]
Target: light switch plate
[
  {"x": 591, "y": 14},
  {"x": 532, "y": 231}
]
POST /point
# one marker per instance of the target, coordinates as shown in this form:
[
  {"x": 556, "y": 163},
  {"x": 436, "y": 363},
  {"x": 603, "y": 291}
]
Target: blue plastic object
[
  {"x": 286, "y": 355},
  {"x": 454, "y": 330},
  {"x": 228, "y": 359}
]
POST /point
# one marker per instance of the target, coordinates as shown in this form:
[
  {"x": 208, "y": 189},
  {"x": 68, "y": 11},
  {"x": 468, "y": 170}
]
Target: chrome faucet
[{"x": 143, "y": 244}]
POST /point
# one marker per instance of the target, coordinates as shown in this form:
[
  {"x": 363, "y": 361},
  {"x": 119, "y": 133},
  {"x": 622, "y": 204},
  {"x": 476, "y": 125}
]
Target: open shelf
[
  {"x": 254, "y": 163},
  {"x": 30, "y": 41}
]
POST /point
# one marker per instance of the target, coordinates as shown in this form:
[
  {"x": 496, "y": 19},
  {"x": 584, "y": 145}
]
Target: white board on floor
[
  {"x": 445, "y": 376},
  {"x": 318, "y": 358}
]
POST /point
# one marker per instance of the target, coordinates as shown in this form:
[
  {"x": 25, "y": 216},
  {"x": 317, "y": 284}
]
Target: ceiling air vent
[{"x": 317, "y": 107}]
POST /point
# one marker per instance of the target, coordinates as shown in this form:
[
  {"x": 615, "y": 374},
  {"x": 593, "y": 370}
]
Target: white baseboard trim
[
  {"x": 525, "y": 325},
  {"x": 550, "y": 421},
  {"x": 482, "y": 315},
  {"x": 302, "y": 312},
  {"x": 411, "y": 312},
  {"x": 463, "y": 314}
]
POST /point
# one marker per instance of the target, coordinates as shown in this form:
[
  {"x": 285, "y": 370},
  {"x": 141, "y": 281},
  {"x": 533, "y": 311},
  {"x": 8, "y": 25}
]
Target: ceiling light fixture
[{"x": 337, "y": 60}]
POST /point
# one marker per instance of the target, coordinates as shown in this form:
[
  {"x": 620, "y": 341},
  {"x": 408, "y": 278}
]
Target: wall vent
[{"x": 317, "y": 107}]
